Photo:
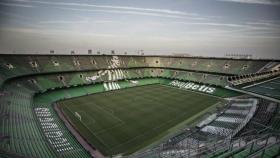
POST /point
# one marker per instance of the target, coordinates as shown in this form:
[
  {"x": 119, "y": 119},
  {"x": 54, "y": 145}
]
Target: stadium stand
[
  {"x": 260, "y": 122},
  {"x": 32, "y": 64},
  {"x": 30, "y": 127}
]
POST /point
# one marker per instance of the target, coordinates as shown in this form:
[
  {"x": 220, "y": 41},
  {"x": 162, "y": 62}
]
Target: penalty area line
[{"x": 101, "y": 141}]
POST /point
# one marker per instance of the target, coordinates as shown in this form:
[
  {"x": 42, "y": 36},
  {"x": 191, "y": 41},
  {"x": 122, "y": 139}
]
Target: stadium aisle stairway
[
  {"x": 275, "y": 123},
  {"x": 229, "y": 121}
]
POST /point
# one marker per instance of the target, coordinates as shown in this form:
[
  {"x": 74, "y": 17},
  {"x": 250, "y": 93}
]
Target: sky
[{"x": 197, "y": 27}]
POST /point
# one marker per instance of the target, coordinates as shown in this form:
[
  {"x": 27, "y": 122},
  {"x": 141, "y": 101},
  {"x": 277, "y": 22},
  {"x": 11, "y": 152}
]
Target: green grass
[{"x": 127, "y": 120}]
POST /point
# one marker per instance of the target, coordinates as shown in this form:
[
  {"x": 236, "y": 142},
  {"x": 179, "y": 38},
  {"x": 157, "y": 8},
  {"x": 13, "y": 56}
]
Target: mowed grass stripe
[{"x": 130, "y": 119}]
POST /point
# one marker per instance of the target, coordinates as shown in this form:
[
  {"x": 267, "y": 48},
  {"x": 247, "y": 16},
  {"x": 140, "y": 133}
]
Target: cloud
[
  {"x": 14, "y": 15},
  {"x": 83, "y": 20},
  {"x": 264, "y": 2},
  {"x": 117, "y": 9},
  {"x": 249, "y": 30},
  {"x": 264, "y": 24},
  {"x": 15, "y": 5},
  {"x": 64, "y": 22},
  {"x": 211, "y": 24},
  {"x": 55, "y": 32},
  {"x": 104, "y": 21},
  {"x": 133, "y": 13},
  {"x": 248, "y": 26},
  {"x": 165, "y": 11}
]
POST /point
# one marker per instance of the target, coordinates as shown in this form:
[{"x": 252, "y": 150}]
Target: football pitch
[{"x": 124, "y": 121}]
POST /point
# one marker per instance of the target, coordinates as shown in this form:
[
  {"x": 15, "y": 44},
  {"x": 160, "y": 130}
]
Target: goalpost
[{"x": 78, "y": 116}]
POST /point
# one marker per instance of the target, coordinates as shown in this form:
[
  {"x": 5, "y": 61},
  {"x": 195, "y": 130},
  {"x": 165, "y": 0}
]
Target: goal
[{"x": 78, "y": 116}]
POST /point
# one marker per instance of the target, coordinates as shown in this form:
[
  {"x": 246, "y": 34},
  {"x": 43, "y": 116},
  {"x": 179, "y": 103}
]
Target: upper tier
[{"x": 19, "y": 65}]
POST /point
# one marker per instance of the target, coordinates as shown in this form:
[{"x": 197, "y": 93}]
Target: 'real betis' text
[{"x": 192, "y": 86}]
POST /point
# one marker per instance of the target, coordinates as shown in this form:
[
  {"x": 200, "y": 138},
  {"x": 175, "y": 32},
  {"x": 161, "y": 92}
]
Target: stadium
[
  {"x": 139, "y": 79},
  {"x": 138, "y": 106}
]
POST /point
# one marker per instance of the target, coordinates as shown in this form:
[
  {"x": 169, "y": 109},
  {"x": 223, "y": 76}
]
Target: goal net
[{"x": 78, "y": 116}]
